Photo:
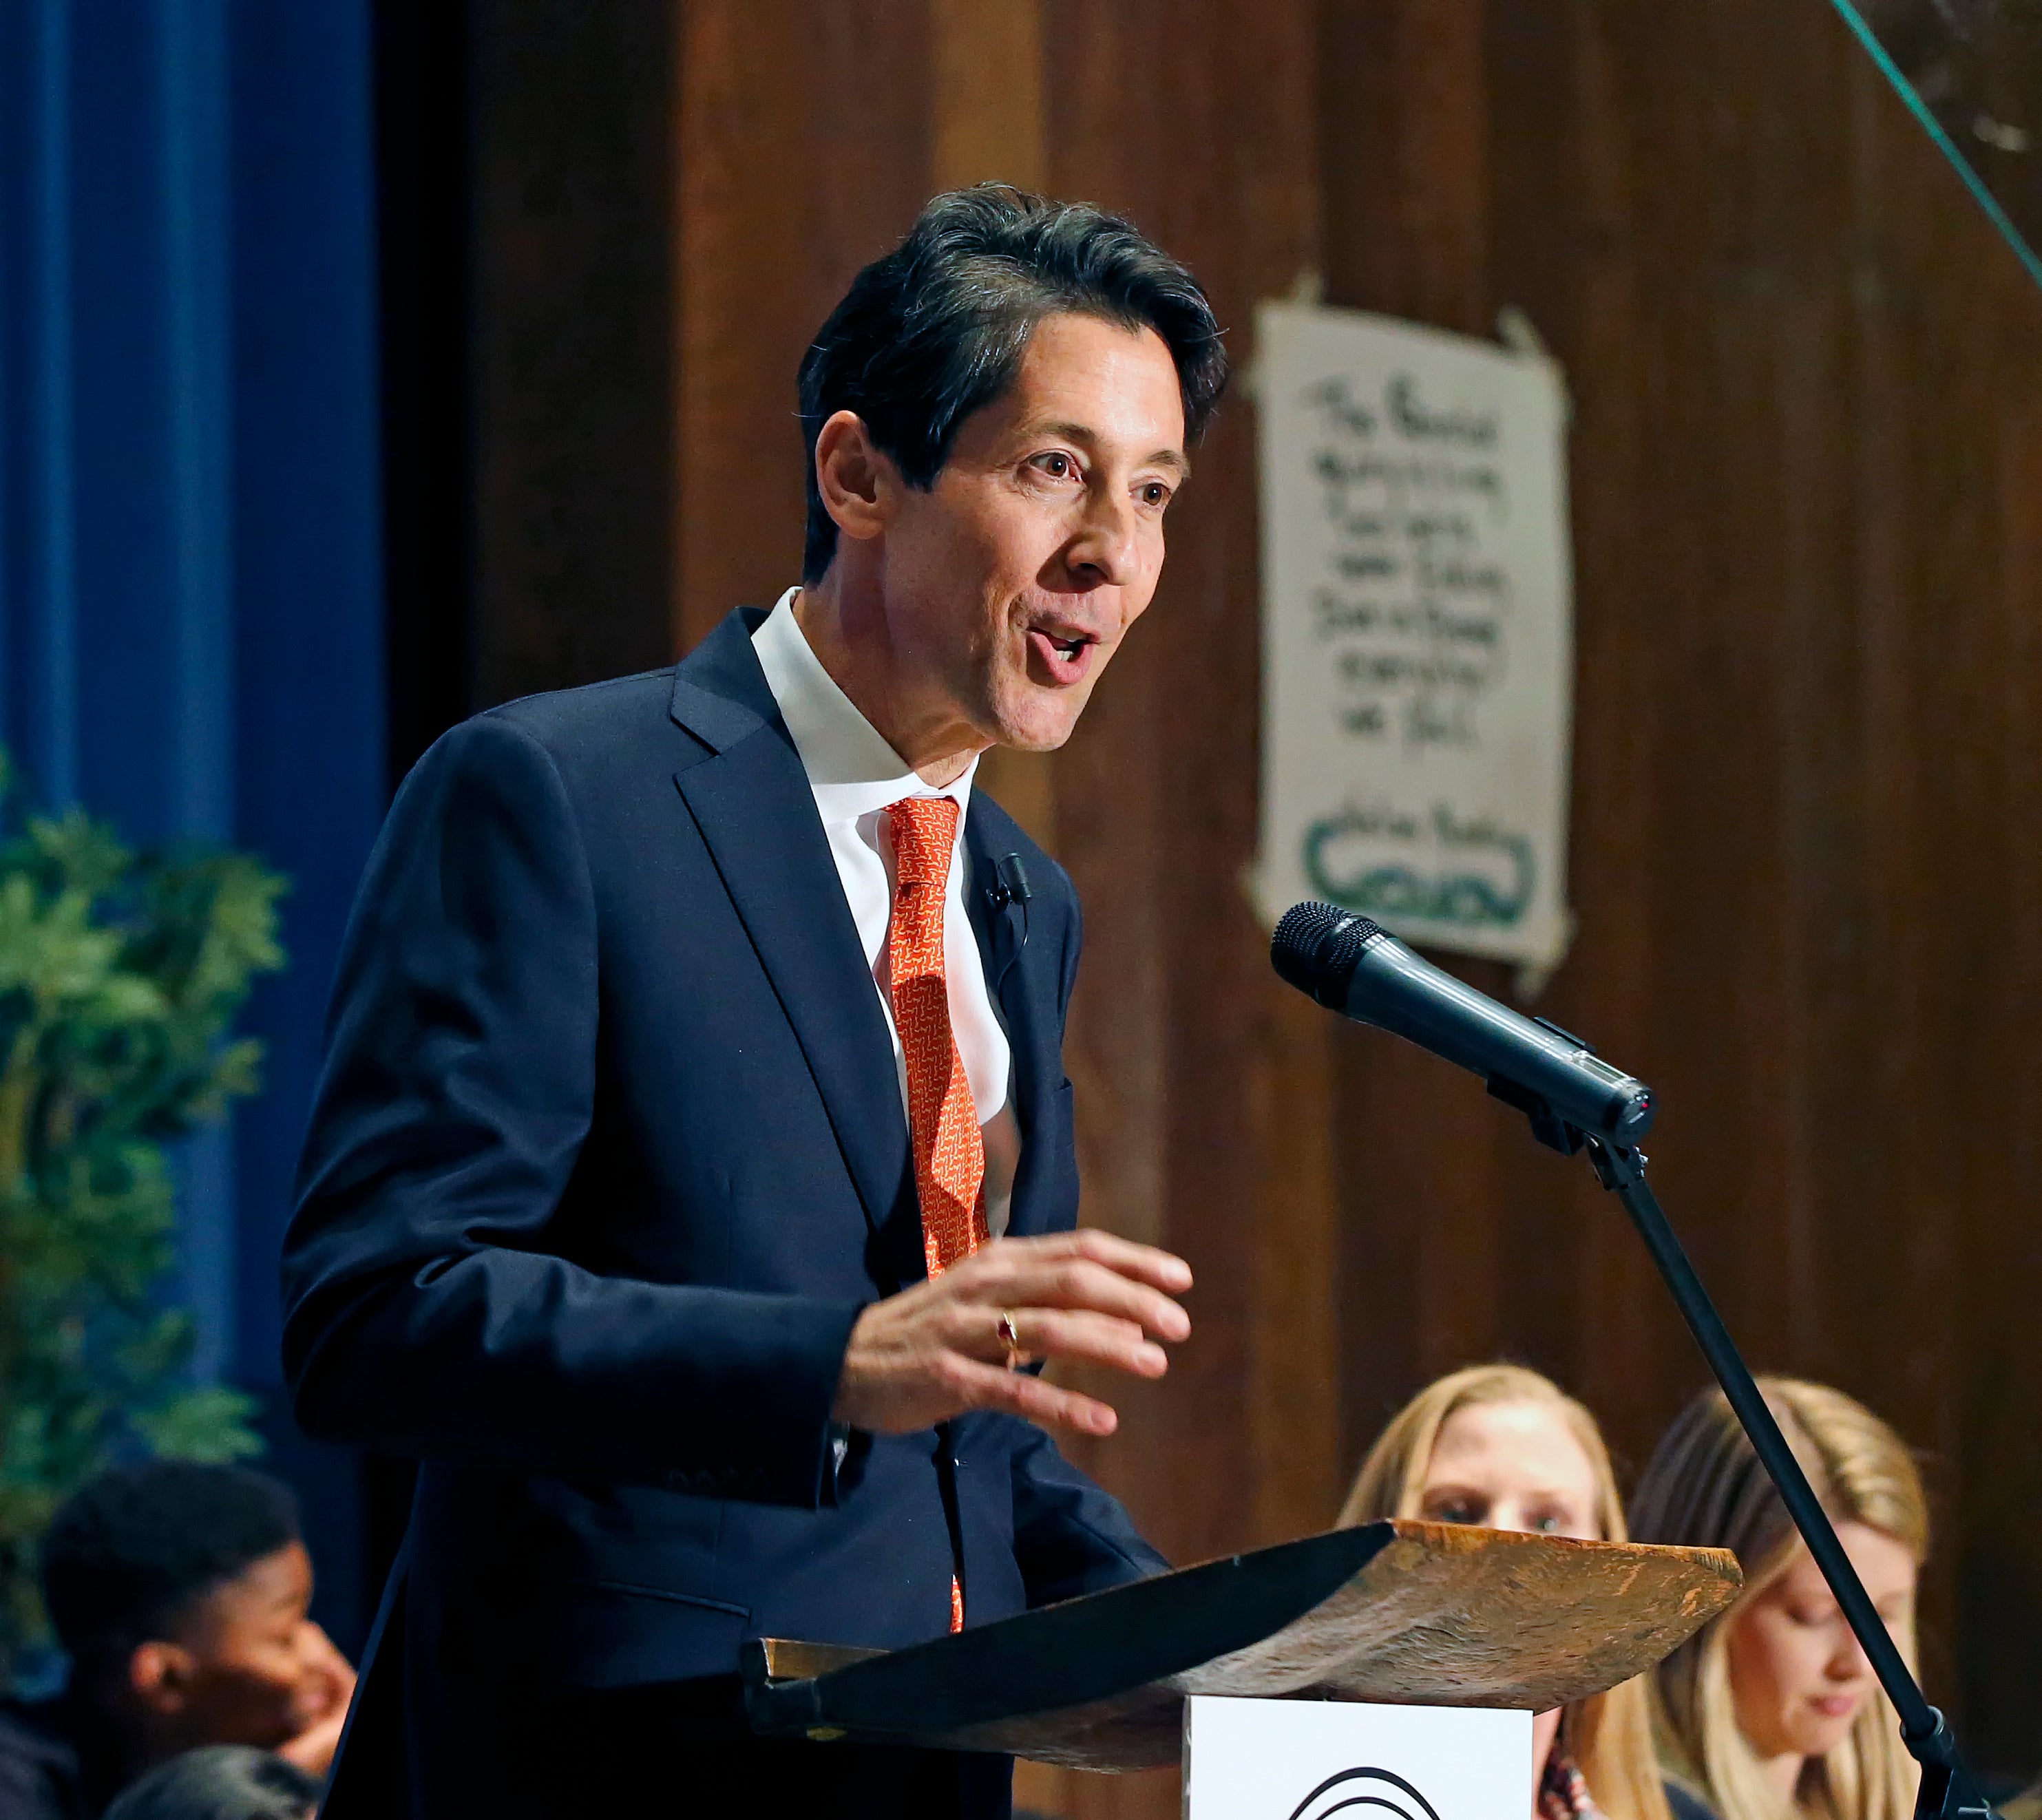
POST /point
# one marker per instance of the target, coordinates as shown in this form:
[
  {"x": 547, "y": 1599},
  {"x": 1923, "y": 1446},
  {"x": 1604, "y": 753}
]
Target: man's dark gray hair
[
  {"x": 221, "y": 1782},
  {"x": 934, "y": 329}
]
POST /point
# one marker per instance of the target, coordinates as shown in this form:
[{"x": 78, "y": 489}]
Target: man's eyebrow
[{"x": 1171, "y": 458}]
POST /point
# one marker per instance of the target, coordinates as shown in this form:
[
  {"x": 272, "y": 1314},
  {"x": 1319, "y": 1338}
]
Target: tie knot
[{"x": 924, "y": 831}]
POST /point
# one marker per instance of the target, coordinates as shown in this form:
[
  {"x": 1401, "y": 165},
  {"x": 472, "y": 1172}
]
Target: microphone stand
[
  {"x": 1948, "y": 1790},
  {"x": 1319, "y": 947}
]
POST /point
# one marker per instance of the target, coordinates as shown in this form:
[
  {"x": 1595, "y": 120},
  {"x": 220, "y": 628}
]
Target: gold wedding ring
[{"x": 1010, "y": 1339}]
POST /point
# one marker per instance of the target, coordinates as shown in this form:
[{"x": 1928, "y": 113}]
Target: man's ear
[
  {"x": 160, "y": 1675},
  {"x": 860, "y": 485}
]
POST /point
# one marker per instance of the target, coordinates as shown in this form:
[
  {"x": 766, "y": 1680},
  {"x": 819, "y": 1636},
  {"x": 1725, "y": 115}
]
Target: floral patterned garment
[{"x": 1563, "y": 1795}]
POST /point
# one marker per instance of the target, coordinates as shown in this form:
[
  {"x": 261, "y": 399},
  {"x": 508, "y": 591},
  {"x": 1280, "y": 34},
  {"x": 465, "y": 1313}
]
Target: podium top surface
[{"x": 1418, "y": 1613}]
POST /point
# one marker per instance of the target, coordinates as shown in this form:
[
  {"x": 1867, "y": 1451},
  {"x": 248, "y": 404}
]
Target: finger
[
  {"x": 313, "y": 1750},
  {"x": 1145, "y": 1263},
  {"x": 994, "y": 1269},
  {"x": 1018, "y": 1394},
  {"x": 981, "y": 1331},
  {"x": 1140, "y": 1263},
  {"x": 1078, "y": 1282},
  {"x": 1094, "y": 1339},
  {"x": 986, "y": 1332}
]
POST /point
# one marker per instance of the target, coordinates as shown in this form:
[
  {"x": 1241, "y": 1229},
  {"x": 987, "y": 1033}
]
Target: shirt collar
[{"x": 850, "y": 767}]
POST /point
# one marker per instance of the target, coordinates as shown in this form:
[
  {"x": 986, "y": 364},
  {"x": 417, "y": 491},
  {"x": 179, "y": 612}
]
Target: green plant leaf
[
  {"x": 209, "y": 1422},
  {"x": 121, "y": 975}
]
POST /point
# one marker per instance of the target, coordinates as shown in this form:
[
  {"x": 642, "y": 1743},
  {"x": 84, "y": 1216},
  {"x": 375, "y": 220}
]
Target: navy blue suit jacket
[{"x": 607, "y": 1155}]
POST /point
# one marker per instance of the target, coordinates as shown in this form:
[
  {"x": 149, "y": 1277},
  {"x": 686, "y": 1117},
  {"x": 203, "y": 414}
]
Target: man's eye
[
  {"x": 1155, "y": 494},
  {"x": 1057, "y": 467}
]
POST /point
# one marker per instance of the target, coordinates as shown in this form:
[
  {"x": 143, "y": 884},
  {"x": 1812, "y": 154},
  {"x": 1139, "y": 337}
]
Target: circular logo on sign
[{"x": 1353, "y": 1790}]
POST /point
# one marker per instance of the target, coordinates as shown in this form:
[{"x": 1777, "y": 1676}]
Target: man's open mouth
[{"x": 1062, "y": 656}]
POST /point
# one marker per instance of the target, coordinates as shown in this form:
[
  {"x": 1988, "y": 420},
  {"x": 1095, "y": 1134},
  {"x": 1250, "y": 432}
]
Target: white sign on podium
[{"x": 1303, "y": 1760}]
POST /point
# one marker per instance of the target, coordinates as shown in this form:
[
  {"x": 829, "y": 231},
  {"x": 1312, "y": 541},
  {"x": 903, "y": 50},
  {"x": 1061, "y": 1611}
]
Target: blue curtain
[{"x": 191, "y": 630}]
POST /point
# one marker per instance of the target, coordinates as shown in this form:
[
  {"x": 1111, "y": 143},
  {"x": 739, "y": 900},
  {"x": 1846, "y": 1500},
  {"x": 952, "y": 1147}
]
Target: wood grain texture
[
  {"x": 804, "y": 152},
  {"x": 986, "y": 94},
  {"x": 1402, "y": 1613},
  {"x": 573, "y": 374}
]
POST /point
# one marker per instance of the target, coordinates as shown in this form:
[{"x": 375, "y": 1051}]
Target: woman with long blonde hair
[
  {"x": 1771, "y": 1711},
  {"x": 1502, "y": 1447}
]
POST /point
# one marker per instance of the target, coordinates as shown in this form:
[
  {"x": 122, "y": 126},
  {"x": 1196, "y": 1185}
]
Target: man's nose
[{"x": 1104, "y": 553}]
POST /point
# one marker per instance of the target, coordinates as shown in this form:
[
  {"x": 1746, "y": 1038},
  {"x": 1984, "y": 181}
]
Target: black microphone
[
  {"x": 1351, "y": 965},
  {"x": 1013, "y": 886}
]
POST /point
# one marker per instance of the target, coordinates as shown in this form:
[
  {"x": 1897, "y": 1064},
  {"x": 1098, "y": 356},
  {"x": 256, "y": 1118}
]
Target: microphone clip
[
  {"x": 1010, "y": 883},
  {"x": 1547, "y": 1125},
  {"x": 1010, "y": 889}
]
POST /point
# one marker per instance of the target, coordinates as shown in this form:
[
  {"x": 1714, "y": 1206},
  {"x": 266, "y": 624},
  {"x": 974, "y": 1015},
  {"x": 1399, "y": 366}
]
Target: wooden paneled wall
[
  {"x": 570, "y": 377},
  {"x": 1807, "y": 487}
]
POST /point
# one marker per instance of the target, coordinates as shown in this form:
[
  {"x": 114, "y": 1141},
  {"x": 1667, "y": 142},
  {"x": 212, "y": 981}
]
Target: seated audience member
[
  {"x": 1503, "y": 1447},
  {"x": 1770, "y": 1711},
  {"x": 180, "y": 1592},
  {"x": 221, "y": 1782}
]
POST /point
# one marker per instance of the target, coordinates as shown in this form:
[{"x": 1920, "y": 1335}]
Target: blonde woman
[
  {"x": 1503, "y": 1447},
  {"x": 1770, "y": 1711}
]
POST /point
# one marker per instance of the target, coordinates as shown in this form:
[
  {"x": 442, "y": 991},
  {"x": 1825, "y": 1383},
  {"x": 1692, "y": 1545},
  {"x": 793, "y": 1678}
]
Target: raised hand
[
  {"x": 946, "y": 1346},
  {"x": 322, "y": 1705}
]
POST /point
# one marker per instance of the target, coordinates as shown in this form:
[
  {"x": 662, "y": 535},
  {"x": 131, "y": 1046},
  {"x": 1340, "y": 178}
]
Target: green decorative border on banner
[{"x": 1464, "y": 898}]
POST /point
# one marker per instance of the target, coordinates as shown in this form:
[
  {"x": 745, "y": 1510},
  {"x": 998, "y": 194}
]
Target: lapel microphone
[
  {"x": 1013, "y": 881},
  {"x": 1011, "y": 886}
]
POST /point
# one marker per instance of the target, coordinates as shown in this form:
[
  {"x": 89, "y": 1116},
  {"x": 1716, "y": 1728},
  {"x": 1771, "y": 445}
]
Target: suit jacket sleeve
[
  {"x": 1069, "y": 1535},
  {"x": 427, "y": 1308}
]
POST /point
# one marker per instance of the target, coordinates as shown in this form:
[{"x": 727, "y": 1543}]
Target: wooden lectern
[{"x": 1420, "y": 1614}]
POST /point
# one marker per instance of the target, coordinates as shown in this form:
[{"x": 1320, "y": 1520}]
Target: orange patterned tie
[{"x": 949, "y": 1153}]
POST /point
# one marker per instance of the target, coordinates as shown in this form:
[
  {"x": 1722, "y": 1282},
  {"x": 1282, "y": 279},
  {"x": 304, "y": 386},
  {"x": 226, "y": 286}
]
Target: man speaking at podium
[{"x": 693, "y": 1164}]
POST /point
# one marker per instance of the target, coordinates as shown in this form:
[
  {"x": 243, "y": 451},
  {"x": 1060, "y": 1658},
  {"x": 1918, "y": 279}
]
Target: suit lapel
[
  {"x": 751, "y": 798},
  {"x": 1023, "y": 976}
]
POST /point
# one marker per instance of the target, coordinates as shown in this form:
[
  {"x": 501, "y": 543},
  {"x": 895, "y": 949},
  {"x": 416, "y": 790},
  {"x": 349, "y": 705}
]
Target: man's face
[
  {"x": 250, "y": 1668},
  {"x": 1011, "y": 584}
]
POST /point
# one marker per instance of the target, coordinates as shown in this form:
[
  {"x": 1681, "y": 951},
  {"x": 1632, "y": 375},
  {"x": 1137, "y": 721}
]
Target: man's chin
[
  {"x": 1041, "y": 720},
  {"x": 1034, "y": 742},
  {"x": 1032, "y": 736}
]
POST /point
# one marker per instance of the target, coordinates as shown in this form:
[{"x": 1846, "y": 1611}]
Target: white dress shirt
[{"x": 855, "y": 776}]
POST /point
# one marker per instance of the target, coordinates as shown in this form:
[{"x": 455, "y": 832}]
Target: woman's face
[
  {"x": 1511, "y": 1466},
  {"x": 1797, "y": 1677}
]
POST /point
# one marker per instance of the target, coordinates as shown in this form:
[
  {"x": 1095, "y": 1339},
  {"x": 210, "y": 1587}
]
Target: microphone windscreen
[{"x": 1316, "y": 947}]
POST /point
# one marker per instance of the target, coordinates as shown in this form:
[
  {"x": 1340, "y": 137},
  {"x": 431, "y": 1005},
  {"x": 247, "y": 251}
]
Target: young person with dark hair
[
  {"x": 180, "y": 1592},
  {"x": 693, "y": 1170}
]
